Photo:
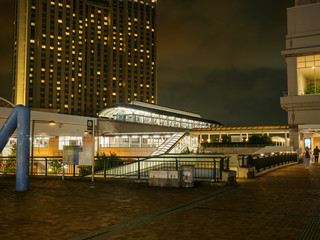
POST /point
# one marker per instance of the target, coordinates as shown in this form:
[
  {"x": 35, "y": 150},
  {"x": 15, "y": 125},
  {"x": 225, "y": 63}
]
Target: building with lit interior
[
  {"x": 81, "y": 56},
  {"x": 135, "y": 129},
  {"x": 140, "y": 112},
  {"x": 302, "y": 54}
]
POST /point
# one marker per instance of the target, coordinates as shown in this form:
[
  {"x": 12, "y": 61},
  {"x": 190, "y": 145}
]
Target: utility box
[
  {"x": 187, "y": 176},
  {"x": 165, "y": 178}
]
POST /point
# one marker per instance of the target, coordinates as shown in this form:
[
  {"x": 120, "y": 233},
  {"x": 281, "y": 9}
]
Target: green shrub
[
  {"x": 226, "y": 138},
  {"x": 10, "y": 165},
  {"x": 260, "y": 139},
  {"x": 111, "y": 161},
  {"x": 55, "y": 165},
  {"x": 310, "y": 89}
]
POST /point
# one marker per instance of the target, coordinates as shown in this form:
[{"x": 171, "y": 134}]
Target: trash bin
[{"x": 187, "y": 176}]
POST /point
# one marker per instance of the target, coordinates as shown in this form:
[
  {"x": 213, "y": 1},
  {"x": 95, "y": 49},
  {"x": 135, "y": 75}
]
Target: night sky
[{"x": 218, "y": 58}]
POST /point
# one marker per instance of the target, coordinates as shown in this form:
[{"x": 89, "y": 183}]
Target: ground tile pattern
[{"x": 278, "y": 205}]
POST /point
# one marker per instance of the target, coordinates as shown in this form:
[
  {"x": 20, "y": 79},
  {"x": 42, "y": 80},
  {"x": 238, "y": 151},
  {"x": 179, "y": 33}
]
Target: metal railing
[
  {"x": 267, "y": 161},
  {"x": 206, "y": 167}
]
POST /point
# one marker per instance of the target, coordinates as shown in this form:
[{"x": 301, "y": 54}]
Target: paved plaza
[{"x": 282, "y": 204}]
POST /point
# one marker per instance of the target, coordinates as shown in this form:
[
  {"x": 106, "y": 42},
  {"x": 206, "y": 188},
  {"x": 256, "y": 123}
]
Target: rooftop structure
[{"x": 157, "y": 115}]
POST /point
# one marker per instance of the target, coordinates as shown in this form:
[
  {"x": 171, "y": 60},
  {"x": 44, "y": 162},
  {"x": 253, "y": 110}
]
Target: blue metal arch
[{"x": 19, "y": 119}]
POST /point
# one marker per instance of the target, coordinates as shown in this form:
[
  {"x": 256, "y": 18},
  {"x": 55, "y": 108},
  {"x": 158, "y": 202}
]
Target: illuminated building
[
  {"x": 139, "y": 112},
  {"x": 302, "y": 54},
  {"x": 81, "y": 56}
]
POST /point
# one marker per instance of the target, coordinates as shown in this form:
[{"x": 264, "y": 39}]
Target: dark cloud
[
  {"x": 232, "y": 97},
  {"x": 222, "y": 58}
]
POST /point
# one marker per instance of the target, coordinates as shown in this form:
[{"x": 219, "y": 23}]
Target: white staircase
[
  {"x": 150, "y": 163},
  {"x": 168, "y": 144}
]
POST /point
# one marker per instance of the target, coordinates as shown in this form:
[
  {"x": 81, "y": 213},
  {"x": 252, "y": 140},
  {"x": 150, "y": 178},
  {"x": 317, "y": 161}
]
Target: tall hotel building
[{"x": 81, "y": 56}]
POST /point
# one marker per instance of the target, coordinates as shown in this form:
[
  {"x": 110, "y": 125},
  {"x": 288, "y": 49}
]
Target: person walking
[
  {"x": 306, "y": 159},
  {"x": 316, "y": 154}
]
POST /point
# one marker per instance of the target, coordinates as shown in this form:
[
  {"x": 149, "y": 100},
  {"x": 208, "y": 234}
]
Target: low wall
[
  {"x": 232, "y": 150},
  {"x": 127, "y": 151}
]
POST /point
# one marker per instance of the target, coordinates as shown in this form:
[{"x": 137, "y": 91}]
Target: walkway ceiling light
[
  {"x": 52, "y": 123},
  {"x": 85, "y": 132}
]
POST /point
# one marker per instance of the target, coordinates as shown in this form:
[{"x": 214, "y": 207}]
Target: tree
[
  {"x": 11, "y": 163},
  {"x": 55, "y": 166}
]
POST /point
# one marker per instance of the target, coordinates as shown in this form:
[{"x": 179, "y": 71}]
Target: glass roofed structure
[{"x": 146, "y": 113}]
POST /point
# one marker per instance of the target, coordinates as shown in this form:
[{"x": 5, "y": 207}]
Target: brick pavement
[{"x": 277, "y": 205}]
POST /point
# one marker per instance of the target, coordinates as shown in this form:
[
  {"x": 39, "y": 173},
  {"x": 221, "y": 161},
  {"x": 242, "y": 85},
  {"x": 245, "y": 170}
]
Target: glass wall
[
  {"x": 308, "y": 74},
  {"x": 133, "y": 141}
]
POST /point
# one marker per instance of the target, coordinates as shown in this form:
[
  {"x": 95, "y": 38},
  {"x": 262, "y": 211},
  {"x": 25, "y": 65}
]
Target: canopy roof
[{"x": 154, "y": 111}]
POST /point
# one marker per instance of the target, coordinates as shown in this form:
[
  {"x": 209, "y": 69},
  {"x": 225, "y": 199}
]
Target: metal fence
[
  {"x": 206, "y": 167},
  {"x": 265, "y": 162}
]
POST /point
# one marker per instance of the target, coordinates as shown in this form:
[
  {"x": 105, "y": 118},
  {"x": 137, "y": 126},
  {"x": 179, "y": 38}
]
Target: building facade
[
  {"x": 81, "y": 56},
  {"x": 302, "y": 54}
]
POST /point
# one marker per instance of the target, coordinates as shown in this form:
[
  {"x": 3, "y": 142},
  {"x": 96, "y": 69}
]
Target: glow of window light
[
  {"x": 52, "y": 123},
  {"x": 313, "y": 67},
  {"x": 262, "y": 154}
]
